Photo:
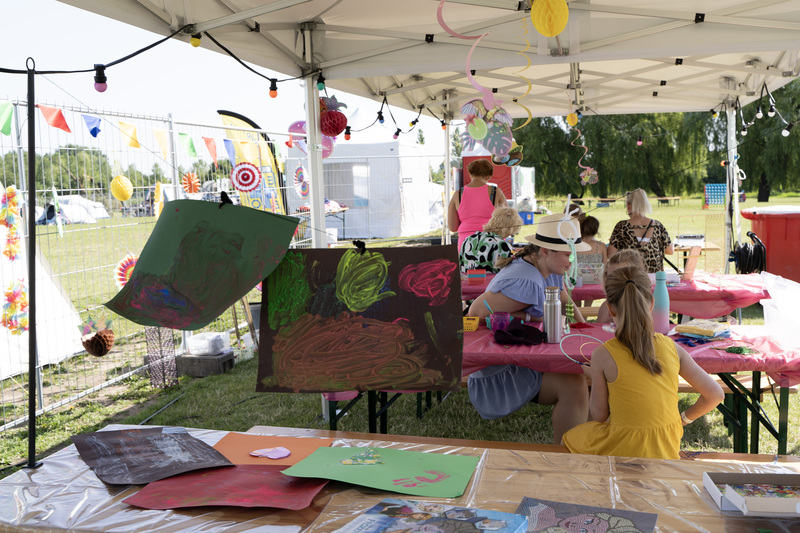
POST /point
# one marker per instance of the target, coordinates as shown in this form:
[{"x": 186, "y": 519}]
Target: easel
[{"x": 249, "y": 319}]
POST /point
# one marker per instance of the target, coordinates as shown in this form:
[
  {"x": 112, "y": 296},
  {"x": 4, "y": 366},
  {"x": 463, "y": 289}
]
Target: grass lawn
[{"x": 228, "y": 401}]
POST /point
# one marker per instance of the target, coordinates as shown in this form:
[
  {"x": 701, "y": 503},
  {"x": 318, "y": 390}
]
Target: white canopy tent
[{"x": 615, "y": 56}]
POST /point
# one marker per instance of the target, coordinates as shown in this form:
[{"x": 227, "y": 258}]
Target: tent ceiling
[{"x": 615, "y": 56}]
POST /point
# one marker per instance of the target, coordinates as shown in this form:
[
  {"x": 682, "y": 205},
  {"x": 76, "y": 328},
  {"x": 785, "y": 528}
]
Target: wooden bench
[
  {"x": 745, "y": 379},
  {"x": 669, "y": 200}
]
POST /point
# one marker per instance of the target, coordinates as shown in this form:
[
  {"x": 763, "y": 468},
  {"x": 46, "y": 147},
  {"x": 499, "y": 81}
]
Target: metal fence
[{"x": 373, "y": 195}]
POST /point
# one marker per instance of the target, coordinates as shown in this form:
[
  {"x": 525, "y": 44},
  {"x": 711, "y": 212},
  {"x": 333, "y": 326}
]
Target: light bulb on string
[
  {"x": 788, "y": 129},
  {"x": 744, "y": 131},
  {"x": 639, "y": 142},
  {"x": 759, "y": 113},
  {"x": 380, "y": 117},
  {"x": 771, "y": 110},
  {"x": 444, "y": 126},
  {"x": 320, "y": 83},
  {"x": 100, "y": 84},
  {"x": 412, "y": 123},
  {"x": 195, "y": 40},
  {"x": 273, "y": 88},
  {"x": 714, "y": 113},
  {"x": 347, "y": 133},
  {"x": 396, "y": 134},
  {"x": 578, "y": 112}
]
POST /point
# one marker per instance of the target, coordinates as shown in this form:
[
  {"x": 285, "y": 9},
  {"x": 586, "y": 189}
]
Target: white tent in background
[
  {"x": 57, "y": 321},
  {"x": 95, "y": 209}
]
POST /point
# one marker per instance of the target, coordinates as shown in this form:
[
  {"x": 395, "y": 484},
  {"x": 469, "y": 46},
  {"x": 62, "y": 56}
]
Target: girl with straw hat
[{"x": 519, "y": 289}]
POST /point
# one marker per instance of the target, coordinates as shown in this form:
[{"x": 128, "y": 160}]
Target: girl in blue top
[{"x": 518, "y": 288}]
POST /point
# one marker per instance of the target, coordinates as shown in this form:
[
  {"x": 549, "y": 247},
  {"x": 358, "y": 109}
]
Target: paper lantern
[
  {"x": 121, "y": 188},
  {"x": 572, "y": 119},
  {"x": 549, "y": 17}
]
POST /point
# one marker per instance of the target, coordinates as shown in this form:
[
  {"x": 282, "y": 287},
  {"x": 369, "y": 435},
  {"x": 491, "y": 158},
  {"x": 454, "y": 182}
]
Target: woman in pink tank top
[{"x": 470, "y": 210}]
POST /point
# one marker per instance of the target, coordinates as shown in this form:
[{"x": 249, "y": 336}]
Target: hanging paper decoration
[
  {"x": 92, "y": 124},
  {"x": 230, "y": 149},
  {"x": 54, "y": 117},
  {"x": 523, "y": 53},
  {"x": 332, "y": 122},
  {"x": 190, "y": 183},
  {"x": 15, "y": 309},
  {"x": 549, "y": 17},
  {"x": 188, "y": 144},
  {"x": 6, "y": 112},
  {"x": 491, "y": 128},
  {"x": 129, "y": 133},
  {"x": 299, "y": 127},
  {"x": 158, "y": 199},
  {"x": 124, "y": 269},
  {"x": 572, "y": 119},
  {"x": 588, "y": 175},
  {"x": 121, "y": 188},
  {"x": 512, "y": 159},
  {"x": 301, "y": 183},
  {"x": 96, "y": 341},
  {"x": 245, "y": 177},
  {"x": 10, "y": 218},
  {"x": 163, "y": 142},
  {"x": 211, "y": 145}
]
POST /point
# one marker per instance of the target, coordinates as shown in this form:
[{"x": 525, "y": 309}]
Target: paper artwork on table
[
  {"x": 376, "y": 319},
  {"x": 138, "y": 456},
  {"x": 239, "y": 486},
  {"x": 199, "y": 260},
  {"x": 406, "y": 472},
  {"x": 546, "y": 516},
  {"x": 411, "y": 516},
  {"x": 237, "y": 447}
]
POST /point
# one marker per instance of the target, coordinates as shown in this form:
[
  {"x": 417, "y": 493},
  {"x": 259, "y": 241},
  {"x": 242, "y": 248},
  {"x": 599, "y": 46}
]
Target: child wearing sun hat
[{"x": 519, "y": 289}]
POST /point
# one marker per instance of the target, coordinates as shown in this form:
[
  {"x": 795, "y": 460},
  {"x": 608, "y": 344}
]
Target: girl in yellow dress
[{"x": 634, "y": 399}]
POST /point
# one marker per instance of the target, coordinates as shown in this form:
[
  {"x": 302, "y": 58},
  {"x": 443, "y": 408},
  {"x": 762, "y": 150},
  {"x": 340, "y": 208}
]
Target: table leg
[
  {"x": 783, "y": 420},
  {"x": 754, "y": 422}
]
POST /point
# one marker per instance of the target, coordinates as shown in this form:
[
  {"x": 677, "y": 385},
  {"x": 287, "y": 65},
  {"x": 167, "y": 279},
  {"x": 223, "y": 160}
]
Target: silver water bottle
[{"x": 552, "y": 315}]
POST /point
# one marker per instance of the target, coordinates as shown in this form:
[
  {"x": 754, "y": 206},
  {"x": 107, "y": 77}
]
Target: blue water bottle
[{"x": 661, "y": 304}]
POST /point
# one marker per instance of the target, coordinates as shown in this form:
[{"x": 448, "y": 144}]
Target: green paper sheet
[
  {"x": 416, "y": 473},
  {"x": 200, "y": 259}
]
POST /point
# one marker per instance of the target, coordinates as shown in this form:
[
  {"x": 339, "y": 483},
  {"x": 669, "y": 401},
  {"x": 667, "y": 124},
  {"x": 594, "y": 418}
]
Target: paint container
[{"x": 499, "y": 321}]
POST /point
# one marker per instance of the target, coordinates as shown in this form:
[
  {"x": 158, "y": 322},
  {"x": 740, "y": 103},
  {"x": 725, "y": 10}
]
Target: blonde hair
[
  {"x": 505, "y": 222},
  {"x": 527, "y": 250},
  {"x": 638, "y": 201},
  {"x": 628, "y": 292},
  {"x": 627, "y": 257}
]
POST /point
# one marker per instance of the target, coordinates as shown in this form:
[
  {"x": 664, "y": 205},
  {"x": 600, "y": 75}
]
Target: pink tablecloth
[
  {"x": 707, "y": 296},
  {"x": 481, "y": 351}
]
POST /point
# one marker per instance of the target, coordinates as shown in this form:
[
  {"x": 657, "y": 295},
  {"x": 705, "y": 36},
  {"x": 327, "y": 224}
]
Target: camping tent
[
  {"x": 95, "y": 209},
  {"x": 386, "y": 186},
  {"x": 70, "y": 214}
]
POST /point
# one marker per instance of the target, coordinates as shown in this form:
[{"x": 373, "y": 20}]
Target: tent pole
[
  {"x": 314, "y": 148},
  {"x": 448, "y": 184},
  {"x": 731, "y": 189},
  {"x": 31, "y": 65}
]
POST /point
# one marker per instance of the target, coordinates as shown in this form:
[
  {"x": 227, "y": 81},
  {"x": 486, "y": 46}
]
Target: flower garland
[
  {"x": 15, "y": 310},
  {"x": 10, "y": 217}
]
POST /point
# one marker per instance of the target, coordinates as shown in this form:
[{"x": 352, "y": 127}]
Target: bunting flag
[
  {"x": 54, "y": 117},
  {"x": 6, "y": 111},
  {"x": 129, "y": 131},
  {"x": 161, "y": 138},
  {"x": 187, "y": 143},
  {"x": 231, "y": 151},
  {"x": 93, "y": 124},
  {"x": 212, "y": 149}
]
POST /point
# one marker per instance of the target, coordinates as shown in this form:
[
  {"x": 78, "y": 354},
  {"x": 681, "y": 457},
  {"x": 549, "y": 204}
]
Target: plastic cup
[{"x": 500, "y": 321}]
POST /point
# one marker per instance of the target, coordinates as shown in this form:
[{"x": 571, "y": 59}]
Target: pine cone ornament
[
  {"x": 98, "y": 343},
  {"x": 332, "y": 122}
]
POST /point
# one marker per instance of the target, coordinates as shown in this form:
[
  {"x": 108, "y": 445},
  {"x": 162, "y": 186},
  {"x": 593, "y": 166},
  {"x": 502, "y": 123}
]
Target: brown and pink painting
[{"x": 348, "y": 319}]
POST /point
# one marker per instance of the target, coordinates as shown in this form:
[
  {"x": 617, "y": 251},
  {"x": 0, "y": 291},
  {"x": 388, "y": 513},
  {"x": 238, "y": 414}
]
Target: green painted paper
[
  {"x": 200, "y": 259},
  {"x": 416, "y": 473}
]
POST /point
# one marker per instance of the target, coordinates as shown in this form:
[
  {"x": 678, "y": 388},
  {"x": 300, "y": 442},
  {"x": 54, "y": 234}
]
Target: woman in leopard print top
[{"x": 647, "y": 236}]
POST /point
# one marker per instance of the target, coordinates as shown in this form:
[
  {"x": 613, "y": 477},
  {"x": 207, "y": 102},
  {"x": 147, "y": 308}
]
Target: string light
[
  {"x": 759, "y": 113},
  {"x": 788, "y": 129},
  {"x": 380, "y": 116},
  {"x": 744, "y": 130},
  {"x": 639, "y": 142},
  {"x": 320, "y": 83},
  {"x": 771, "y": 110},
  {"x": 413, "y": 123},
  {"x": 347, "y": 133},
  {"x": 578, "y": 112},
  {"x": 714, "y": 113},
  {"x": 444, "y": 126},
  {"x": 100, "y": 80},
  {"x": 396, "y": 134},
  {"x": 273, "y": 88},
  {"x": 195, "y": 40}
]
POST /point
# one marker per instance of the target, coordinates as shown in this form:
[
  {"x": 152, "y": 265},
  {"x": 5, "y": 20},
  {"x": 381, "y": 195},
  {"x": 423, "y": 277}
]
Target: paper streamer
[
  {"x": 589, "y": 175},
  {"x": 447, "y": 28},
  {"x": 488, "y": 97}
]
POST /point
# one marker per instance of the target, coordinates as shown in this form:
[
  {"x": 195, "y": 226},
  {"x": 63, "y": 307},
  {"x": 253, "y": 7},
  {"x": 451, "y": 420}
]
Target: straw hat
[{"x": 547, "y": 234}]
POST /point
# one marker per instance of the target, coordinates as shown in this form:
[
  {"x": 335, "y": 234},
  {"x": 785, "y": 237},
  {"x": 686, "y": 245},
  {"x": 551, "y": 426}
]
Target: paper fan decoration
[
  {"x": 124, "y": 269},
  {"x": 245, "y": 177},
  {"x": 190, "y": 183},
  {"x": 301, "y": 182},
  {"x": 589, "y": 176}
]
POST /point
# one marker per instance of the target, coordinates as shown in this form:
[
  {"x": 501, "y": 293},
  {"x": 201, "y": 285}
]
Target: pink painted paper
[{"x": 239, "y": 486}]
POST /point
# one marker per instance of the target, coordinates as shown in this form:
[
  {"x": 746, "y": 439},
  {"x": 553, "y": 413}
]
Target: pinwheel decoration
[
  {"x": 489, "y": 127},
  {"x": 124, "y": 269},
  {"x": 190, "y": 183},
  {"x": 301, "y": 184}
]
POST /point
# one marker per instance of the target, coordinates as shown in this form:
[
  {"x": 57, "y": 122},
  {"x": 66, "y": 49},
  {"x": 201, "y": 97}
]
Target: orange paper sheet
[{"x": 236, "y": 447}]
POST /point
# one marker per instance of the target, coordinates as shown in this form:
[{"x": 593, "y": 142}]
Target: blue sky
[{"x": 191, "y": 83}]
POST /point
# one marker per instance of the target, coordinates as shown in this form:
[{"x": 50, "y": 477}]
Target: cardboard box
[{"x": 756, "y": 505}]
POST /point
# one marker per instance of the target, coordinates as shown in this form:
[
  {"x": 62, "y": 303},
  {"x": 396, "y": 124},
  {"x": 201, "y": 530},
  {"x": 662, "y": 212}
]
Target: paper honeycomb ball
[
  {"x": 98, "y": 343},
  {"x": 572, "y": 119},
  {"x": 549, "y": 17},
  {"x": 121, "y": 188}
]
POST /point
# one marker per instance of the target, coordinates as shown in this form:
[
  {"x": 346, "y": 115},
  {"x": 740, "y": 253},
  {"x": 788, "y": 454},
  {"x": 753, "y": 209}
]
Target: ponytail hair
[
  {"x": 527, "y": 250},
  {"x": 628, "y": 291}
]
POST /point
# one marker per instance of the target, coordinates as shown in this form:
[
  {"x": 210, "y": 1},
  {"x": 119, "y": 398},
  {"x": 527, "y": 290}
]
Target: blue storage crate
[{"x": 527, "y": 217}]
